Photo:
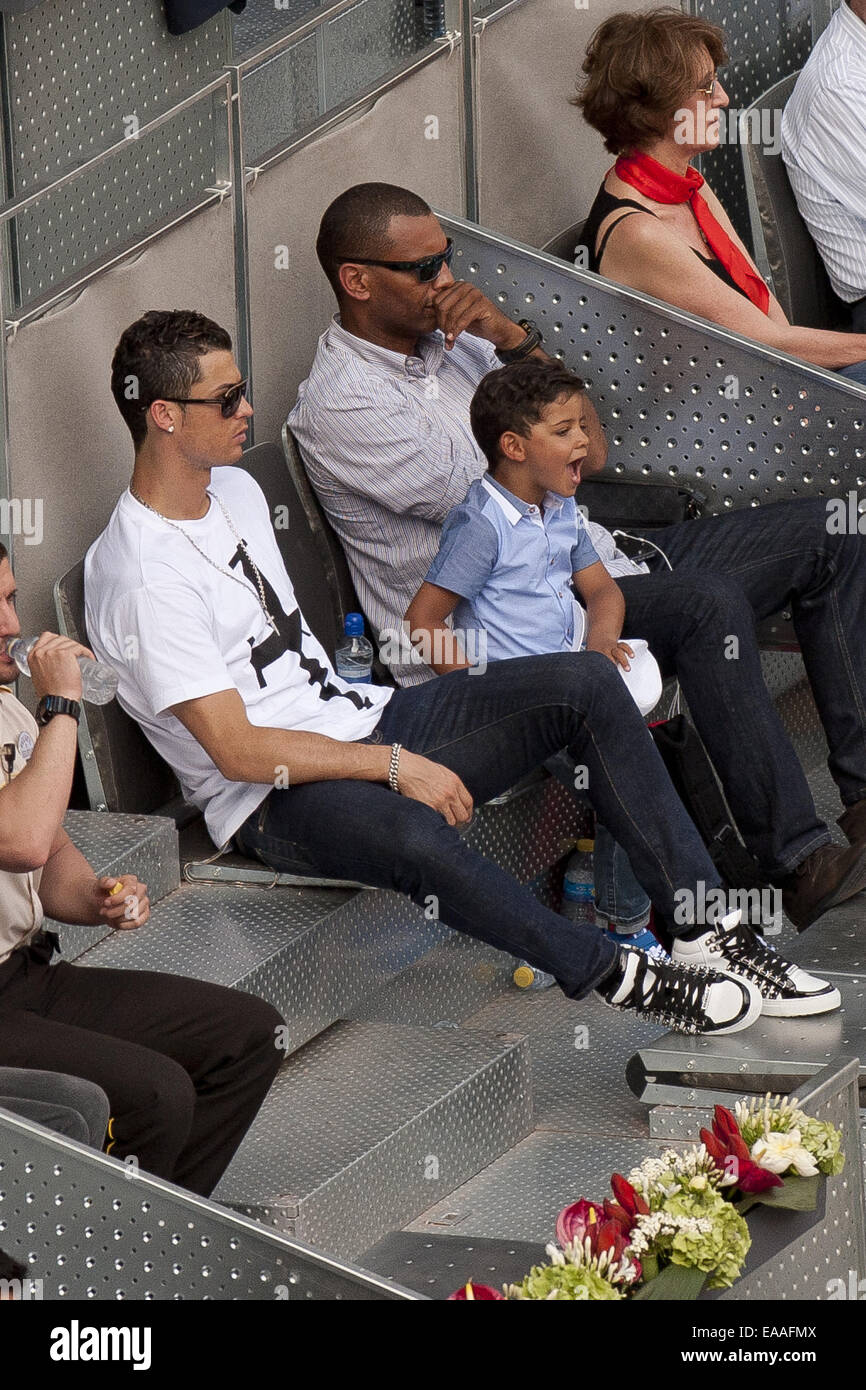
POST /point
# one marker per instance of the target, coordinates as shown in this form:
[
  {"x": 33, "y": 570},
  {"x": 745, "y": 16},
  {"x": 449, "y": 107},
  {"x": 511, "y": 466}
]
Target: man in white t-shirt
[{"x": 188, "y": 598}]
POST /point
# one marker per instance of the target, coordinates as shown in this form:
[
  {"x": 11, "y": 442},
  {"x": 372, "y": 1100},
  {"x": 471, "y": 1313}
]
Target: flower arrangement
[{"x": 676, "y": 1224}]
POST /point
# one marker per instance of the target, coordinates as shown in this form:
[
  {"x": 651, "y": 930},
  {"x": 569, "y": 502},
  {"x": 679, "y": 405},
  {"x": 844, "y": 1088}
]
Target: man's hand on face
[
  {"x": 462, "y": 308},
  {"x": 54, "y": 666}
]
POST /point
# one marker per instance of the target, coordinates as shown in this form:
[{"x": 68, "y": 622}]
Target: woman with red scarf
[{"x": 653, "y": 92}]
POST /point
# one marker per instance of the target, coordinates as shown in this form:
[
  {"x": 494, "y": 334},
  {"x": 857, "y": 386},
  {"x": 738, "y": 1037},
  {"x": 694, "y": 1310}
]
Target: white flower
[{"x": 779, "y": 1151}]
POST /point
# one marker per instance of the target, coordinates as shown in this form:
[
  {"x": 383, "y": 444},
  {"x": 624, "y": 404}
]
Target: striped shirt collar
[
  {"x": 515, "y": 507},
  {"x": 426, "y": 361},
  {"x": 853, "y": 26}
]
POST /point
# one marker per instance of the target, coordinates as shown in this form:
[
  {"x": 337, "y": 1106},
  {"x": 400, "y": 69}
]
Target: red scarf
[{"x": 664, "y": 186}]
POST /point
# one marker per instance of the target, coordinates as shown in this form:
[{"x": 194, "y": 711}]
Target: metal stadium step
[
  {"x": 114, "y": 844},
  {"x": 370, "y": 1124},
  {"x": 311, "y": 952},
  {"x": 315, "y": 953}
]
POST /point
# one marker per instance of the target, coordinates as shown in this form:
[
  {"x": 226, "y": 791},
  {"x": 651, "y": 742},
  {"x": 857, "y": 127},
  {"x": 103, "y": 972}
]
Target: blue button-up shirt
[{"x": 512, "y": 564}]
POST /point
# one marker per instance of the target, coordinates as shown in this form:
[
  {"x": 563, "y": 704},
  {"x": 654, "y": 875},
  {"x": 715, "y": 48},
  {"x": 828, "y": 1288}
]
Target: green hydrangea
[
  {"x": 564, "y": 1281},
  {"x": 719, "y": 1247},
  {"x": 824, "y": 1142}
]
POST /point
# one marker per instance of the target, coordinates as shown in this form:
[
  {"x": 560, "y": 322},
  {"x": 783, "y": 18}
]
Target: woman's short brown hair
[{"x": 640, "y": 69}]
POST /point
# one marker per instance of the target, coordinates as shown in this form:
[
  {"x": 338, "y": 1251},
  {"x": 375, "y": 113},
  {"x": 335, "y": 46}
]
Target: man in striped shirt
[
  {"x": 383, "y": 418},
  {"x": 383, "y": 424},
  {"x": 823, "y": 140}
]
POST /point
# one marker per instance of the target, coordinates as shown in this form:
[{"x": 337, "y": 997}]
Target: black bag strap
[{"x": 698, "y": 787}]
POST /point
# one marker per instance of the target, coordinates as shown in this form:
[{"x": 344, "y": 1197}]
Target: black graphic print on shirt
[{"x": 290, "y": 638}]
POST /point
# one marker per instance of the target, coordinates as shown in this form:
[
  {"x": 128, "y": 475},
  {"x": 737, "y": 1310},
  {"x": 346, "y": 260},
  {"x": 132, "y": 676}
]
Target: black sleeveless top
[{"x": 604, "y": 205}]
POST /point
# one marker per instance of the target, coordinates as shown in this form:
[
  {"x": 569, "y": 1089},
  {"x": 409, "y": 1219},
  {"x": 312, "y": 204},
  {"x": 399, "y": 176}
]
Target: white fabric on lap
[{"x": 644, "y": 680}]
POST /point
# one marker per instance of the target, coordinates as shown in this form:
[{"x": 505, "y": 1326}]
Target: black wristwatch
[
  {"x": 50, "y": 705},
  {"x": 532, "y": 340}
]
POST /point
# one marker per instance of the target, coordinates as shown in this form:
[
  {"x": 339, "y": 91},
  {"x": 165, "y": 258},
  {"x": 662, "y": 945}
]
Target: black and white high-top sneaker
[
  {"x": 732, "y": 948},
  {"x": 685, "y": 998}
]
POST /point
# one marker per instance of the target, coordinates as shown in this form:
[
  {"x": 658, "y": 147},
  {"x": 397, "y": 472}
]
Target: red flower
[
  {"x": 473, "y": 1293},
  {"x": 730, "y": 1153},
  {"x": 587, "y": 1222},
  {"x": 574, "y": 1222},
  {"x": 628, "y": 1206}
]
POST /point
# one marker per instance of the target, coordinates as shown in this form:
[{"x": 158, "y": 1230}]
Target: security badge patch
[{"x": 26, "y": 745}]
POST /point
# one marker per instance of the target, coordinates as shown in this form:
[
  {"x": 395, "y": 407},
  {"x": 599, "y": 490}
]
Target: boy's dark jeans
[
  {"x": 728, "y": 572},
  {"x": 491, "y": 730}
]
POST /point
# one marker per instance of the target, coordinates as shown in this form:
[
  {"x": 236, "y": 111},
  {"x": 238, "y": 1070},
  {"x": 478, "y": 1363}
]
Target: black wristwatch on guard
[{"x": 50, "y": 705}]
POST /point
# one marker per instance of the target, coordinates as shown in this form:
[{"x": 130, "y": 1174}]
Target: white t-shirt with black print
[{"x": 176, "y": 627}]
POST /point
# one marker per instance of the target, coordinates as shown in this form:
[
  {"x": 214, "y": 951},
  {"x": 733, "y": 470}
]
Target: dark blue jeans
[
  {"x": 729, "y": 571},
  {"x": 491, "y": 730}
]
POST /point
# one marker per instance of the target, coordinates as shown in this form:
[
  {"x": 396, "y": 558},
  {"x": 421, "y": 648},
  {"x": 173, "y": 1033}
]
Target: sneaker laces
[
  {"x": 749, "y": 956},
  {"x": 674, "y": 994}
]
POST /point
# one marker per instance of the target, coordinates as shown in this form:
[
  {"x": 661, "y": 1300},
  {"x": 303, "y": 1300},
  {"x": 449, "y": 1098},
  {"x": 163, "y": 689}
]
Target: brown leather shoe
[
  {"x": 853, "y": 823},
  {"x": 828, "y": 877}
]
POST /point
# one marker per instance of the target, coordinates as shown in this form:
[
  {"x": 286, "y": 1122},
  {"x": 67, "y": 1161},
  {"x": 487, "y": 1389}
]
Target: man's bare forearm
[
  {"x": 34, "y": 803},
  {"x": 279, "y": 756}
]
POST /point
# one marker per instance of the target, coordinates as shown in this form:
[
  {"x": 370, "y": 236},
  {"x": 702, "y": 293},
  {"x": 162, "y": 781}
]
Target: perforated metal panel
[
  {"x": 75, "y": 74},
  {"x": 144, "y": 183},
  {"x": 89, "y": 1231},
  {"x": 679, "y": 399},
  {"x": 766, "y": 40}
]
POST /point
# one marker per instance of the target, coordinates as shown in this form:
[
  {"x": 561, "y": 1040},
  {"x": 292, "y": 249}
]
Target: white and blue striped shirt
[
  {"x": 824, "y": 148},
  {"x": 389, "y": 451}
]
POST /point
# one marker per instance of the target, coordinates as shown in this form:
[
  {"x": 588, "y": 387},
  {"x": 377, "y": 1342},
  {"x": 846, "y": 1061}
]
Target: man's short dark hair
[
  {"x": 356, "y": 224},
  {"x": 10, "y": 1268},
  {"x": 514, "y": 398},
  {"x": 4, "y": 553},
  {"x": 157, "y": 359}
]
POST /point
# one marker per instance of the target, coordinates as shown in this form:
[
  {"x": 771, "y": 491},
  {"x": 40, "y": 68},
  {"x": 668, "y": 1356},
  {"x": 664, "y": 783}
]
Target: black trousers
[{"x": 185, "y": 1064}]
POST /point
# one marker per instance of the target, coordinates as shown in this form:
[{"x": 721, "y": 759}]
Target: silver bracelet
[{"x": 394, "y": 767}]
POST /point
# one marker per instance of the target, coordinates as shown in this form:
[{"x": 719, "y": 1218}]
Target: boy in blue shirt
[{"x": 511, "y": 551}]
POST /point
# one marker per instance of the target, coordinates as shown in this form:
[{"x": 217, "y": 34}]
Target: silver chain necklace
[{"x": 228, "y": 573}]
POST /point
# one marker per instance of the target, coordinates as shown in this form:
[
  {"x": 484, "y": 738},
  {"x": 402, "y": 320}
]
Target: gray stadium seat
[
  {"x": 339, "y": 596},
  {"x": 784, "y": 250},
  {"x": 564, "y": 243},
  {"x": 340, "y": 591}
]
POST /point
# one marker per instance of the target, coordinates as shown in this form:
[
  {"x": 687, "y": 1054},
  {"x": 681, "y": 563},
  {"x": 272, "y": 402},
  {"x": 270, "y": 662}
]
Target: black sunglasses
[
  {"x": 228, "y": 403},
  {"x": 426, "y": 269}
]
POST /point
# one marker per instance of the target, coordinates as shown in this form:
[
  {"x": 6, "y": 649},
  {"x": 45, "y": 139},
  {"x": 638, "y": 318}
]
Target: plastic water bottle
[
  {"x": 98, "y": 682},
  {"x": 528, "y": 976},
  {"x": 578, "y": 888},
  {"x": 354, "y": 655}
]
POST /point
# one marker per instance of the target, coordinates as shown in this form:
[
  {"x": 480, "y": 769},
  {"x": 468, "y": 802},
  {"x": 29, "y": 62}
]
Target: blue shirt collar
[{"x": 515, "y": 507}]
